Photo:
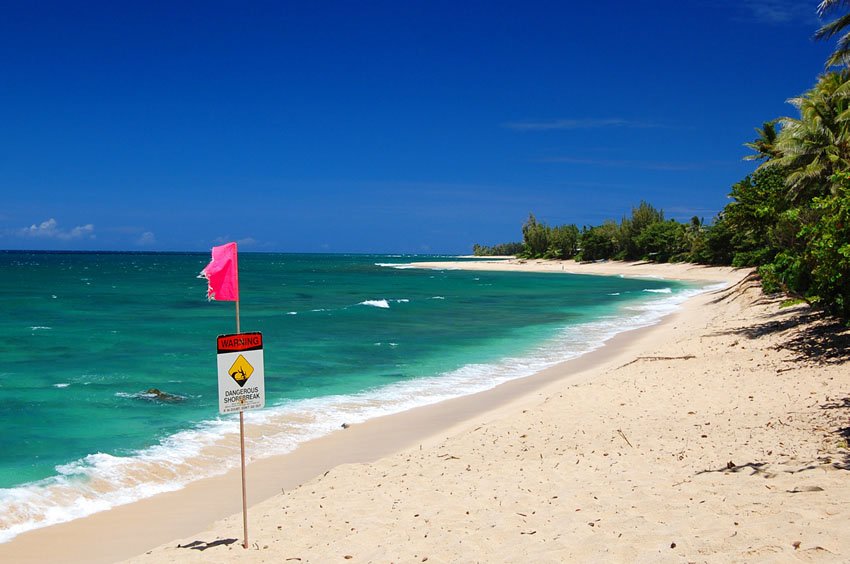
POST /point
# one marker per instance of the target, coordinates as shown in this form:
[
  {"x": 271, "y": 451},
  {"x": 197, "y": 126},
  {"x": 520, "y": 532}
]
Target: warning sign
[
  {"x": 241, "y": 378},
  {"x": 241, "y": 370}
]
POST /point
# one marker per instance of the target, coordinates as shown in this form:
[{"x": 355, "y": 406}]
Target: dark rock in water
[
  {"x": 345, "y": 425},
  {"x": 159, "y": 395}
]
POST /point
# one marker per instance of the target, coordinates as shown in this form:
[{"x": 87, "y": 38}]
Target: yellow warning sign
[{"x": 241, "y": 370}]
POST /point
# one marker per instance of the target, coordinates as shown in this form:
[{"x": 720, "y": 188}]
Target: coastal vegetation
[
  {"x": 503, "y": 249},
  {"x": 790, "y": 218}
]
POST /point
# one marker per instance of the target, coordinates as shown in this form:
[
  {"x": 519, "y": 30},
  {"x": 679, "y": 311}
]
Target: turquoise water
[{"x": 346, "y": 338}]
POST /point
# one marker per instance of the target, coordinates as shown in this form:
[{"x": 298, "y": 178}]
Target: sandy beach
[
  {"x": 718, "y": 435},
  {"x": 677, "y": 271}
]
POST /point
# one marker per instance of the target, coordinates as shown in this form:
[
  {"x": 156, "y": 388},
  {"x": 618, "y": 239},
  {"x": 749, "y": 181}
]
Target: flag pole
[
  {"x": 242, "y": 457},
  {"x": 242, "y": 430},
  {"x": 222, "y": 275},
  {"x": 244, "y": 489}
]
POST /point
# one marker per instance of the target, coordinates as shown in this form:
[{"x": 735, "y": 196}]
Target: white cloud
[
  {"x": 50, "y": 230},
  {"x": 146, "y": 238}
]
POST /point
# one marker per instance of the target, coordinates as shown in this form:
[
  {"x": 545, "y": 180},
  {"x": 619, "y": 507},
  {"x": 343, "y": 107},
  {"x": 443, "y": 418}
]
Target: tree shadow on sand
[
  {"x": 815, "y": 337},
  {"x": 754, "y": 468},
  {"x": 839, "y": 412},
  {"x": 202, "y": 545},
  {"x": 844, "y": 432},
  {"x": 823, "y": 340}
]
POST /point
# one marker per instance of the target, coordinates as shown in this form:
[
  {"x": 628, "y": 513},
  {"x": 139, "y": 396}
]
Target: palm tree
[
  {"x": 765, "y": 144},
  {"x": 841, "y": 55},
  {"x": 816, "y": 145}
]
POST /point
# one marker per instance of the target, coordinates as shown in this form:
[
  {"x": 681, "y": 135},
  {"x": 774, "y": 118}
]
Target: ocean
[{"x": 84, "y": 336}]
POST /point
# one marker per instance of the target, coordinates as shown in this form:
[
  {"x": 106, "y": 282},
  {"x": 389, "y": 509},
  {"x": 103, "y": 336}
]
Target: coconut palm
[
  {"x": 837, "y": 27},
  {"x": 765, "y": 145},
  {"x": 816, "y": 145}
]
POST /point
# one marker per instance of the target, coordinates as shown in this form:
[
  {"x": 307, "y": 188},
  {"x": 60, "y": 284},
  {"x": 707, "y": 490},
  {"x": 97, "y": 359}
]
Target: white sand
[{"x": 719, "y": 435}]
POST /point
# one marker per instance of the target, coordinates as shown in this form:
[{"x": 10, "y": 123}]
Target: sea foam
[
  {"x": 383, "y": 304},
  {"x": 396, "y": 266}
]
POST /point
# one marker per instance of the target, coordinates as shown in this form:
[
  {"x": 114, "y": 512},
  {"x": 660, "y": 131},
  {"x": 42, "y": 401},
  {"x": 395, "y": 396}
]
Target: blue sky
[{"x": 399, "y": 126}]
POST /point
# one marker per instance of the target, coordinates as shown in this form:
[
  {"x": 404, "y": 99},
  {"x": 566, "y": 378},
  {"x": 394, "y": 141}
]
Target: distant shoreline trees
[
  {"x": 790, "y": 218},
  {"x": 503, "y": 249},
  {"x": 645, "y": 235}
]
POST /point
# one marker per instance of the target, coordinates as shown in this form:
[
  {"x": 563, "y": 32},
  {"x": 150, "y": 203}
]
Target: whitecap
[
  {"x": 148, "y": 396},
  {"x": 41, "y": 328},
  {"x": 383, "y": 304},
  {"x": 61, "y": 385},
  {"x": 395, "y": 265},
  {"x": 659, "y": 290}
]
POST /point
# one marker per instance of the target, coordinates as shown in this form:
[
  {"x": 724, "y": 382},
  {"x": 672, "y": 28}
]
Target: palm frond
[
  {"x": 843, "y": 90},
  {"x": 827, "y": 6},
  {"x": 830, "y": 29},
  {"x": 841, "y": 56}
]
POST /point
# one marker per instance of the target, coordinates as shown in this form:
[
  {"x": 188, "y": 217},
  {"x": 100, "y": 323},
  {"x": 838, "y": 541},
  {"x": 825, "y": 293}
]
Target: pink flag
[{"x": 222, "y": 274}]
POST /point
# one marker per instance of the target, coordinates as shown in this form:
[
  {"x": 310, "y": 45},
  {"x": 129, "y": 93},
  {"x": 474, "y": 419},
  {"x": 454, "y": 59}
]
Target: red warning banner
[{"x": 239, "y": 342}]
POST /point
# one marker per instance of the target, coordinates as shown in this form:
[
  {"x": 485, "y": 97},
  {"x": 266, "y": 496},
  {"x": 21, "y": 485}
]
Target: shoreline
[
  {"x": 196, "y": 505},
  {"x": 630, "y": 269},
  {"x": 214, "y": 460},
  {"x": 130, "y": 530}
]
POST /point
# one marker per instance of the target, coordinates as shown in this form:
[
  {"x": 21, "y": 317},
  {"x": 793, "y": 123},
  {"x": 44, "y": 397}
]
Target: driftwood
[
  {"x": 622, "y": 434},
  {"x": 651, "y": 358}
]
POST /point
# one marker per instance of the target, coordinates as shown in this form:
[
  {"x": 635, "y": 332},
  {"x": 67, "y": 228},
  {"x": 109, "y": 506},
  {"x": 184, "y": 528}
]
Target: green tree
[
  {"x": 695, "y": 231},
  {"x": 753, "y": 215},
  {"x": 535, "y": 237},
  {"x": 714, "y": 245},
  {"x": 791, "y": 217},
  {"x": 600, "y": 242},
  {"x": 836, "y": 27},
  {"x": 816, "y": 145},
  {"x": 661, "y": 241},
  {"x": 827, "y": 252},
  {"x": 764, "y": 145},
  {"x": 502, "y": 249},
  {"x": 642, "y": 217},
  {"x": 563, "y": 242}
]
